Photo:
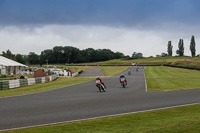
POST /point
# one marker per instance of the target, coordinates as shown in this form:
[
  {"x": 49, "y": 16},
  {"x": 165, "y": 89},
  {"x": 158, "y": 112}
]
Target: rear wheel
[{"x": 99, "y": 88}]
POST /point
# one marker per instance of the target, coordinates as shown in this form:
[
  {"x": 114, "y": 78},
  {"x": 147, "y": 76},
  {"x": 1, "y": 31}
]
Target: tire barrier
[
  {"x": 10, "y": 84},
  {"x": 31, "y": 81},
  {"x": 14, "y": 83},
  {"x": 23, "y": 82},
  {"x": 4, "y": 85}
]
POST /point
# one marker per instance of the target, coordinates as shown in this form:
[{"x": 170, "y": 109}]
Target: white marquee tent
[{"x": 8, "y": 66}]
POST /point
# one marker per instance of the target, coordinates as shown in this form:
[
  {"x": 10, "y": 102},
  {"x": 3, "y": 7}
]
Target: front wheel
[{"x": 123, "y": 85}]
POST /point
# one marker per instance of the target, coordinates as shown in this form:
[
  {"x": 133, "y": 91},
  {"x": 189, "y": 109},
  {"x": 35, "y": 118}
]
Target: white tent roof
[{"x": 7, "y": 62}]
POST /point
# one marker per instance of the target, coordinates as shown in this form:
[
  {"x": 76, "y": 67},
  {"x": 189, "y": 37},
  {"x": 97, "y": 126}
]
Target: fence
[{"x": 10, "y": 84}]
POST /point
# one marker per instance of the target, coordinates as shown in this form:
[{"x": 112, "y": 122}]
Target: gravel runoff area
[{"x": 92, "y": 71}]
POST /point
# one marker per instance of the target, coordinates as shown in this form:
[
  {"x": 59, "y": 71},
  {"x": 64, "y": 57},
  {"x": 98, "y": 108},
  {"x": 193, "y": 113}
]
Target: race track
[{"x": 85, "y": 101}]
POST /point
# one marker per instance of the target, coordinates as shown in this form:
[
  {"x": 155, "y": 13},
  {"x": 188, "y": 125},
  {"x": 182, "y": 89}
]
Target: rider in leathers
[
  {"x": 98, "y": 78},
  {"x": 122, "y": 76}
]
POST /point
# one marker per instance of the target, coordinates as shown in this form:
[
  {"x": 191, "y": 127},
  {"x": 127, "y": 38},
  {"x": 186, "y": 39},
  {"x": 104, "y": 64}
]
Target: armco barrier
[{"x": 9, "y": 84}]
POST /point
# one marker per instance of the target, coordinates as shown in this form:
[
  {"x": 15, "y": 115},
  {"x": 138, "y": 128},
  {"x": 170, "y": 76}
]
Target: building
[{"x": 10, "y": 67}]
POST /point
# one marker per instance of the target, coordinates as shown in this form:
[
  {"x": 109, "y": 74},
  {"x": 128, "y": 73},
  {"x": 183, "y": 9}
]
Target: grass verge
[
  {"x": 60, "y": 82},
  {"x": 113, "y": 70},
  {"x": 161, "y": 78},
  {"x": 179, "y": 119}
]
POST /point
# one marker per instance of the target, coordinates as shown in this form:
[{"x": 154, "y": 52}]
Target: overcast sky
[{"x": 126, "y": 26}]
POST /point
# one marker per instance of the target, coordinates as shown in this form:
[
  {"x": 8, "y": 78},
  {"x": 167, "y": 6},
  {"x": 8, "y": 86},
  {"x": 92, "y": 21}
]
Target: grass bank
[
  {"x": 113, "y": 70},
  {"x": 179, "y": 119},
  {"x": 60, "y": 82},
  {"x": 184, "y": 61},
  {"x": 161, "y": 78}
]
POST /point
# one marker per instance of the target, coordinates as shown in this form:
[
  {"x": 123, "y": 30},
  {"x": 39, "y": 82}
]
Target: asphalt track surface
[{"x": 85, "y": 101}]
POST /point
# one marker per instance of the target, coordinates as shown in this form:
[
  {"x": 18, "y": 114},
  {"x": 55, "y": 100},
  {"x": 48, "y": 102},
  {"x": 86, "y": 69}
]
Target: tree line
[{"x": 65, "y": 54}]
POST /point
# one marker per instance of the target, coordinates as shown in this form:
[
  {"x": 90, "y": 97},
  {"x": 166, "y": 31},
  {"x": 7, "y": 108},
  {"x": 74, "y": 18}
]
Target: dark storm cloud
[{"x": 147, "y": 13}]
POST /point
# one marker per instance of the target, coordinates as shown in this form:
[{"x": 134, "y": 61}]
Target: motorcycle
[
  {"x": 123, "y": 82},
  {"x": 100, "y": 86},
  {"x": 129, "y": 73},
  {"x": 137, "y": 69}
]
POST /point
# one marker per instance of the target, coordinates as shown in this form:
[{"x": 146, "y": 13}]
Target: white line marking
[
  {"x": 93, "y": 118},
  {"x": 145, "y": 82}
]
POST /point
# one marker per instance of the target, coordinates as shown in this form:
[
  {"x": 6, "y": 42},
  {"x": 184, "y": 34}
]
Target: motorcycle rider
[
  {"x": 137, "y": 68},
  {"x": 122, "y": 77},
  {"x": 101, "y": 81},
  {"x": 129, "y": 72}
]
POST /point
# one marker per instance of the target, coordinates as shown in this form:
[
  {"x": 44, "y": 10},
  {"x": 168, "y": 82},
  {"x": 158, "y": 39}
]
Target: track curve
[{"x": 85, "y": 101}]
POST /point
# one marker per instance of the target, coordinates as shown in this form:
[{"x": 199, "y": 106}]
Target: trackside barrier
[
  {"x": 38, "y": 80},
  {"x": 14, "y": 83},
  {"x": 43, "y": 79},
  {"x": 31, "y": 81},
  {"x": 51, "y": 78},
  {"x": 77, "y": 73},
  {"x": 23, "y": 82},
  {"x": 4, "y": 85},
  {"x": 74, "y": 74},
  {"x": 10, "y": 84}
]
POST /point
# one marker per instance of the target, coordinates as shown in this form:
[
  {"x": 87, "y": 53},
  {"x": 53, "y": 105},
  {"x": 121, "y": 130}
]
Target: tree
[
  {"x": 180, "y": 51},
  {"x": 19, "y": 58},
  {"x": 164, "y": 54},
  {"x": 136, "y": 55},
  {"x": 47, "y": 55},
  {"x": 169, "y": 48},
  {"x": 33, "y": 58},
  {"x": 58, "y": 54},
  {"x": 192, "y": 47},
  {"x": 8, "y": 54},
  {"x": 118, "y": 55}
]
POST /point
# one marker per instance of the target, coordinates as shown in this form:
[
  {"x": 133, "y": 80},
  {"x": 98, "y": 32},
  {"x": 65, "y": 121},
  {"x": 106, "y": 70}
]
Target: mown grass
[
  {"x": 113, "y": 70},
  {"x": 161, "y": 78},
  {"x": 60, "y": 82},
  {"x": 192, "y": 62},
  {"x": 110, "y": 62},
  {"x": 174, "y": 120}
]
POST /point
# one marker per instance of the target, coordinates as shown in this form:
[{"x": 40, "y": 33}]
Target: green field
[
  {"x": 60, "y": 82},
  {"x": 113, "y": 70},
  {"x": 184, "y": 61},
  {"x": 174, "y": 120},
  {"x": 161, "y": 78}
]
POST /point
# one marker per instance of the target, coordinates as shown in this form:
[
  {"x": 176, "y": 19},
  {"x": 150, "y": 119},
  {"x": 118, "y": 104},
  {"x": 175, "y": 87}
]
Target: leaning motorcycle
[{"x": 100, "y": 86}]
